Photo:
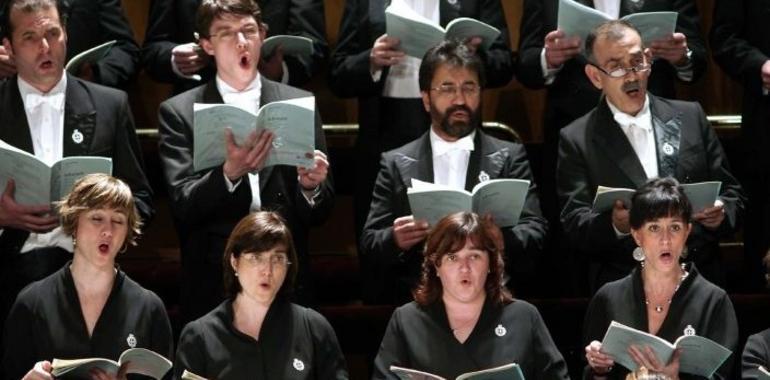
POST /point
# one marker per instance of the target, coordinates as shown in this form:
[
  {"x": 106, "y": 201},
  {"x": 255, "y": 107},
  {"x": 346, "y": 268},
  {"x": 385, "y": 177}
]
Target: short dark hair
[
  {"x": 453, "y": 53},
  {"x": 658, "y": 198},
  {"x": 29, "y": 6},
  {"x": 449, "y": 236},
  {"x": 209, "y": 10},
  {"x": 99, "y": 191},
  {"x": 612, "y": 30},
  {"x": 258, "y": 232}
]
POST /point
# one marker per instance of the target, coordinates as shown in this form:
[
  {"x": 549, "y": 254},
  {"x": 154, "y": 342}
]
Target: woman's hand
[
  {"x": 600, "y": 362},
  {"x": 41, "y": 371},
  {"x": 99, "y": 374},
  {"x": 644, "y": 356}
]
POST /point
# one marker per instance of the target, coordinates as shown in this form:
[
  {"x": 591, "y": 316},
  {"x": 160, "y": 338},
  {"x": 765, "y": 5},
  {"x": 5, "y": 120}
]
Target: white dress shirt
[
  {"x": 450, "y": 159},
  {"x": 402, "y": 80},
  {"x": 45, "y": 117},
  {"x": 638, "y": 130},
  {"x": 249, "y": 101}
]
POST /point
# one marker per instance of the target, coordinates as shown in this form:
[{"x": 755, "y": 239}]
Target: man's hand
[
  {"x": 86, "y": 72},
  {"x": 189, "y": 58},
  {"x": 711, "y": 217},
  {"x": 672, "y": 49},
  {"x": 7, "y": 64},
  {"x": 247, "y": 157},
  {"x": 30, "y": 218},
  {"x": 41, "y": 371},
  {"x": 272, "y": 66},
  {"x": 766, "y": 75},
  {"x": 311, "y": 178},
  {"x": 620, "y": 217},
  {"x": 385, "y": 52},
  {"x": 100, "y": 374},
  {"x": 407, "y": 232},
  {"x": 473, "y": 43},
  {"x": 559, "y": 49}
]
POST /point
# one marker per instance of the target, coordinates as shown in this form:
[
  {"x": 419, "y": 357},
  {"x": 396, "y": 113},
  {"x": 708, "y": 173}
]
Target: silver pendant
[{"x": 659, "y": 308}]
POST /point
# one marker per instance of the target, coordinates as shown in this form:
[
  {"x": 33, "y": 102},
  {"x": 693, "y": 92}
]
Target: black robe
[{"x": 755, "y": 354}]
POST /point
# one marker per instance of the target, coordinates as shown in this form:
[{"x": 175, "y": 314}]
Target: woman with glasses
[
  {"x": 257, "y": 332},
  {"x": 463, "y": 318}
]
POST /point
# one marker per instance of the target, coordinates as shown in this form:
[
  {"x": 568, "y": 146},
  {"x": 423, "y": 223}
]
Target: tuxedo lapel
[
  {"x": 13, "y": 120},
  {"x": 79, "y": 119},
  {"x": 668, "y": 136},
  {"x": 608, "y": 137},
  {"x": 417, "y": 163}
]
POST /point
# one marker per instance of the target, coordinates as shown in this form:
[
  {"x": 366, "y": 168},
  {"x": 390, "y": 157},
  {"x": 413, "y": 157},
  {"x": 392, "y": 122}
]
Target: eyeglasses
[
  {"x": 620, "y": 72},
  {"x": 261, "y": 260},
  {"x": 249, "y": 32},
  {"x": 450, "y": 90}
]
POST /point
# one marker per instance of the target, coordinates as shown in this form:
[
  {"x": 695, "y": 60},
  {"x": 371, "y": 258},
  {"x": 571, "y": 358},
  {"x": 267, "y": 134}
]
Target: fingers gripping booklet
[
  {"x": 503, "y": 198},
  {"x": 137, "y": 360},
  {"x": 700, "y": 194},
  {"x": 291, "y": 121},
  {"x": 700, "y": 356},
  {"x": 298, "y": 46},
  {"x": 510, "y": 371}
]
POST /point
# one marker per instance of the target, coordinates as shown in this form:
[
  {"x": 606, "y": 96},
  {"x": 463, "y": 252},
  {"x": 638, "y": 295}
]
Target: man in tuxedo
[
  {"x": 454, "y": 152},
  {"x": 740, "y": 41},
  {"x": 549, "y": 59},
  {"x": 629, "y": 137},
  {"x": 90, "y": 23},
  {"x": 171, "y": 53},
  {"x": 367, "y": 64},
  {"x": 53, "y": 115},
  {"x": 207, "y": 204}
]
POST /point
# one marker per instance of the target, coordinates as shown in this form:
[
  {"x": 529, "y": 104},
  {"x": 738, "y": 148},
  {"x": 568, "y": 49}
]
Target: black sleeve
[
  {"x": 19, "y": 343},
  {"x": 550, "y": 363},
  {"x": 328, "y": 358},
  {"x": 595, "y": 326},
  {"x": 688, "y": 23},
  {"x": 190, "y": 352},
  {"x": 755, "y": 354},
  {"x": 306, "y": 18},
  {"x": 392, "y": 350},
  {"x": 498, "y": 60},
  {"x": 162, "y": 338},
  {"x": 730, "y": 47},
  {"x": 324, "y": 201},
  {"x": 723, "y": 329},
  {"x": 159, "y": 41},
  {"x": 532, "y": 33},
  {"x": 120, "y": 64}
]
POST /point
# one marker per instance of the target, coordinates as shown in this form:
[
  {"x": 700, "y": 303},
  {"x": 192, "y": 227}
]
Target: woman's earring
[
  {"x": 236, "y": 274},
  {"x": 74, "y": 242},
  {"x": 685, "y": 252},
  {"x": 638, "y": 254}
]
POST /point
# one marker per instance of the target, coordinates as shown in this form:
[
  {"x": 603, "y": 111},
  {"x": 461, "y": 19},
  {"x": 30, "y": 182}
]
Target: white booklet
[
  {"x": 700, "y": 194},
  {"x": 418, "y": 34},
  {"x": 292, "y": 45},
  {"x": 36, "y": 182},
  {"x": 140, "y": 361},
  {"x": 291, "y": 121},
  {"x": 575, "y": 19},
  {"x": 503, "y": 198},
  {"x": 187, "y": 375},
  {"x": 510, "y": 371},
  {"x": 700, "y": 356},
  {"x": 91, "y": 55}
]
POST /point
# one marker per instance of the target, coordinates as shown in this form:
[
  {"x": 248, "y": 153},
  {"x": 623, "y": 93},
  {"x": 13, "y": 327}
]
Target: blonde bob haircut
[{"x": 99, "y": 191}]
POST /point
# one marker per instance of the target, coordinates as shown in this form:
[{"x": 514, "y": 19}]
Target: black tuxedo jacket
[
  {"x": 94, "y": 22},
  {"x": 391, "y": 273},
  {"x": 571, "y": 95},
  {"x": 740, "y": 41},
  {"x": 172, "y": 22},
  {"x": 103, "y": 117},
  {"x": 204, "y": 210},
  {"x": 593, "y": 151}
]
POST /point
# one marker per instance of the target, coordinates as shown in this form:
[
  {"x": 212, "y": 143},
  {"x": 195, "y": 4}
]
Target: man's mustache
[
  {"x": 630, "y": 86},
  {"x": 459, "y": 107}
]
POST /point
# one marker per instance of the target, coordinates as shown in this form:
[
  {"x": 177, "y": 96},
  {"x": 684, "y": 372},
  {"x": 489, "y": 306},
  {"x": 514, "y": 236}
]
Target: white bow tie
[
  {"x": 641, "y": 120},
  {"x": 33, "y": 100},
  {"x": 441, "y": 147}
]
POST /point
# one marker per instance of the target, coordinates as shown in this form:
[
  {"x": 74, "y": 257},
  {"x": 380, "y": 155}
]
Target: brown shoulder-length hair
[
  {"x": 209, "y": 10},
  {"x": 99, "y": 191},
  {"x": 258, "y": 232},
  {"x": 449, "y": 236}
]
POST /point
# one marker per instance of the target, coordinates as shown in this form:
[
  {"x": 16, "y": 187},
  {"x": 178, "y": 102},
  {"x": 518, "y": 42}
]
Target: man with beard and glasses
[
  {"x": 454, "y": 152},
  {"x": 629, "y": 137}
]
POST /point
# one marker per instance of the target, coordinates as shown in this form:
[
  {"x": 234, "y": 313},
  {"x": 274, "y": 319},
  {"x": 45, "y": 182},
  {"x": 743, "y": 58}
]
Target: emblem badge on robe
[
  {"x": 131, "y": 340},
  {"x": 668, "y": 149},
  {"x": 500, "y": 330},
  {"x": 77, "y": 137},
  {"x": 483, "y": 176},
  {"x": 298, "y": 364},
  {"x": 689, "y": 331}
]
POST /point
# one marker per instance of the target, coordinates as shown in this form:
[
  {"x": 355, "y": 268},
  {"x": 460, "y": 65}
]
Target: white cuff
[
  {"x": 230, "y": 185},
  {"x": 685, "y": 72},
  {"x": 548, "y": 74},
  {"x": 619, "y": 234},
  {"x": 178, "y": 73},
  {"x": 375, "y": 73}
]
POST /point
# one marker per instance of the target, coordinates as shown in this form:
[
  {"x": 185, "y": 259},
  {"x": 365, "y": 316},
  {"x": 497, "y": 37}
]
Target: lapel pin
[
  {"x": 451, "y": 2},
  {"x": 131, "y": 340},
  {"x": 483, "y": 176},
  {"x": 500, "y": 330},
  {"x": 77, "y": 137},
  {"x": 689, "y": 331},
  {"x": 668, "y": 149},
  {"x": 298, "y": 364}
]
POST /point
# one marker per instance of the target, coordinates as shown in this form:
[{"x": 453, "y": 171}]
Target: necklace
[{"x": 659, "y": 307}]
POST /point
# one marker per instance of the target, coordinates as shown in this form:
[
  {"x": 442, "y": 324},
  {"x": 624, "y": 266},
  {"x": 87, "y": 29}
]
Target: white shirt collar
[
  {"x": 642, "y": 119},
  {"x": 440, "y": 146},
  {"x": 33, "y": 97},
  {"x": 225, "y": 89}
]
